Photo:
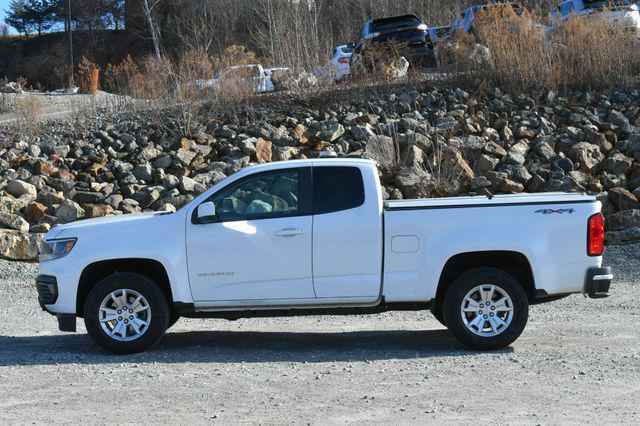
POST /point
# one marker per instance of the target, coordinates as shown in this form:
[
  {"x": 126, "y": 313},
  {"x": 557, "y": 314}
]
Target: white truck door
[
  {"x": 347, "y": 232},
  {"x": 258, "y": 246}
]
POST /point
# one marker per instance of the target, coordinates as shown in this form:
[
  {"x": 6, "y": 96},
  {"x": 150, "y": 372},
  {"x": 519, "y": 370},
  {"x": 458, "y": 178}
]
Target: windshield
[
  {"x": 347, "y": 49},
  {"x": 387, "y": 24}
]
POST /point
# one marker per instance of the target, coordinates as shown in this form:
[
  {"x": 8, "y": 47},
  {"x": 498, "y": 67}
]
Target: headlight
[{"x": 55, "y": 249}]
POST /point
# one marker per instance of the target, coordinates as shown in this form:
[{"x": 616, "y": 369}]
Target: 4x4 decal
[{"x": 558, "y": 211}]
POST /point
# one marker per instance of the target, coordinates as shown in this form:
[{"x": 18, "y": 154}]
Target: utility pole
[{"x": 69, "y": 44}]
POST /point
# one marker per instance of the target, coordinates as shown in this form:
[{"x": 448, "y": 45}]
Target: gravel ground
[
  {"x": 58, "y": 105},
  {"x": 578, "y": 361}
]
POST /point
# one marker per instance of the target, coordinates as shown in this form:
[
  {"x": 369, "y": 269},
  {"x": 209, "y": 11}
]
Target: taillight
[
  {"x": 595, "y": 240},
  {"x": 344, "y": 60}
]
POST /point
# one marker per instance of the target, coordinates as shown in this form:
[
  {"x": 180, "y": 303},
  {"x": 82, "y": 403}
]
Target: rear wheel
[
  {"x": 486, "y": 309},
  {"x": 126, "y": 313}
]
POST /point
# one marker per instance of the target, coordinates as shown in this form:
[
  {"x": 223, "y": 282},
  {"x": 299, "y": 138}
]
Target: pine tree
[{"x": 17, "y": 16}]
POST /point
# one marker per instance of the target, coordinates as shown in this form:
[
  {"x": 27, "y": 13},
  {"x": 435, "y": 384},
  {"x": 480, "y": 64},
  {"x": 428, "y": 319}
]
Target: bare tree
[{"x": 147, "y": 7}]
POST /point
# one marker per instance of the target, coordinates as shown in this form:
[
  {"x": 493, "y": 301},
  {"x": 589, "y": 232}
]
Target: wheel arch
[
  {"x": 512, "y": 262},
  {"x": 94, "y": 272}
]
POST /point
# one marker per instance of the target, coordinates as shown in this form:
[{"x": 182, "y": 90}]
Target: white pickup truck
[{"x": 315, "y": 237}]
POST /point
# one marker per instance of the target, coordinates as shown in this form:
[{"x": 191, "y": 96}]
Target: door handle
[{"x": 289, "y": 232}]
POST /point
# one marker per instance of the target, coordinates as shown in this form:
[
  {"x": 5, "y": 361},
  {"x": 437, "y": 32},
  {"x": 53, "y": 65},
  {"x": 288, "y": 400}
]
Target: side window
[
  {"x": 266, "y": 195},
  {"x": 336, "y": 189}
]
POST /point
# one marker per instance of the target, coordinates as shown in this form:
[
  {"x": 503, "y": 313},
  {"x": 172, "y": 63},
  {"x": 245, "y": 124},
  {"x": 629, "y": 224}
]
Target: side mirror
[
  {"x": 206, "y": 212},
  {"x": 351, "y": 45}
]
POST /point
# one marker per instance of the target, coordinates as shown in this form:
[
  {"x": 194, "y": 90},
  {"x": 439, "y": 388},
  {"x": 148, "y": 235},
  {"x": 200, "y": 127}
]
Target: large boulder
[
  {"x": 69, "y": 211},
  {"x": 623, "y": 199},
  {"x": 587, "y": 155},
  {"x": 16, "y": 245},
  {"x": 617, "y": 163},
  {"x": 17, "y": 188},
  {"x": 623, "y": 220},
  {"x": 264, "y": 151},
  {"x": 414, "y": 183},
  {"x": 13, "y": 221}
]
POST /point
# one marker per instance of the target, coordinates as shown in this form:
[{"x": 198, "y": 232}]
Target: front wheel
[
  {"x": 486, "y": 309},
  {"x": 126, "y": 313}
]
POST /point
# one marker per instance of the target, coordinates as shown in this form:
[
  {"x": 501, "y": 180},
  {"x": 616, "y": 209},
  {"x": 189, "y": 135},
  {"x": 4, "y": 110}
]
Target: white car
[
  {"x": 340, "y": 61},
  {"x": 624, "y": 11},
  {"x": 254, "y": 76},
  {"x": 315, "y": 237}
]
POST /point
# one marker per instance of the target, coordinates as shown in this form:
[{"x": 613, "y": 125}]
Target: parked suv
[
  {"x": 340, "y": 60},
  {"x": 406, "y": 33},
  {"x": 619, "y": 11}
]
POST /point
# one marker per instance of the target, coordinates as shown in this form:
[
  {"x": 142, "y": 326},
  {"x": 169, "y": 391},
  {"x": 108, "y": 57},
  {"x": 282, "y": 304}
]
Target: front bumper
[
  {"x": 47, "y": 287},
  {"x": 598, "y": 283}
]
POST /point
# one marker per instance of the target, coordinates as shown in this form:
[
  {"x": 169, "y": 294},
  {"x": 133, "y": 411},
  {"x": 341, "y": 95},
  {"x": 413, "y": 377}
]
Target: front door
[{"x": 259, "y": 246}]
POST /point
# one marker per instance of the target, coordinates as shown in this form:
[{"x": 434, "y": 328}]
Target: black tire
[
  {"x": 160, "y": 312},
  {"x": 438, "y": 314},
  {"x": 468, "y": 281},
  {"x": 173, "y": 319}
]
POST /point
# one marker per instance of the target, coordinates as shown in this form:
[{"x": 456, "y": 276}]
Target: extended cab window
[
  {"x": 336, "y": 189},
  {"x": 266, "y": 195}
]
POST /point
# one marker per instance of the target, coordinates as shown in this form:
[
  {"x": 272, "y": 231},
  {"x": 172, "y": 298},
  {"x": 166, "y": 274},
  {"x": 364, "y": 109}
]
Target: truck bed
[
  {"x": 489, "y": 201},
  {"x": 549, "y": 230}
]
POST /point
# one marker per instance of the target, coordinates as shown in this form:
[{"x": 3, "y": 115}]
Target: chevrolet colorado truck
[{"x": 315, "y": 237}]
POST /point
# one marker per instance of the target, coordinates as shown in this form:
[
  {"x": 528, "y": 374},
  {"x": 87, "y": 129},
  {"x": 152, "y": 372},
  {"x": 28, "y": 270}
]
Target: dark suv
[{"x": 405, "y": 35}]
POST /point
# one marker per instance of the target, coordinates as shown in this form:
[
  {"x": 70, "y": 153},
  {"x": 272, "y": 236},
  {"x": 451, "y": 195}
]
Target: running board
[{"x": 188, "y": 310}]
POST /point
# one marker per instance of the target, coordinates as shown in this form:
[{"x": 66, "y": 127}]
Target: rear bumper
[{"x": 598, "y": 283}]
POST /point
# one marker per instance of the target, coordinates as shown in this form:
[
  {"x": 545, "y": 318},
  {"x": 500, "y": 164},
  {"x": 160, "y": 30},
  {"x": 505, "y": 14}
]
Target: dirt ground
[{"x": 578, "y": 361}]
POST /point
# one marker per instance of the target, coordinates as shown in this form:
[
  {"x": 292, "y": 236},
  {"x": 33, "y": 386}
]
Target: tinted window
[
  {"x": 336, "y": 189},
  {"x": 387, "y": 24},
  {"x": 263, "y": 196}
]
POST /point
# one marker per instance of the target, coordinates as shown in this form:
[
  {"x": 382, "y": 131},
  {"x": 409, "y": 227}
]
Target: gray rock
[
  {"x": 544, "y": 150},
  {"x": 623, "y": 220},
  {"x": 147, "y": 196},
  {"x": 18, "y": 188},
  {"x": 446, "y": 124},
  {"x": 587, "y": 155},
  {"x": 332, "y": 132},
  {"x": 88, "y": 197},
  {"x": 513, "y": 157},
  {"x": 162, "y": 162},
  {"x": 486, "y": 163},
  {"x": 623, "y": 237},
  {"x": 617, "y": 118},
  {"x": 185, "y": 156},
  {"x": 414, "y": 183},
  {"x": 13, "y": 221},
  {"x": 617, "y": 163},
  {"x": 188, "y": 185},
  {"x": 69, "y": 211},
  {"x": 16, "y": 245},
  {"x": 623, "y": 199},
  {"x": 148, "y": 153},
  {"x": 11, "y": 205},
  {"x": 143, "y": 172}
]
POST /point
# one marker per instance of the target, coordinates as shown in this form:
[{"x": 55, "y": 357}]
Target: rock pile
[{"x": 427, "y": 142}]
